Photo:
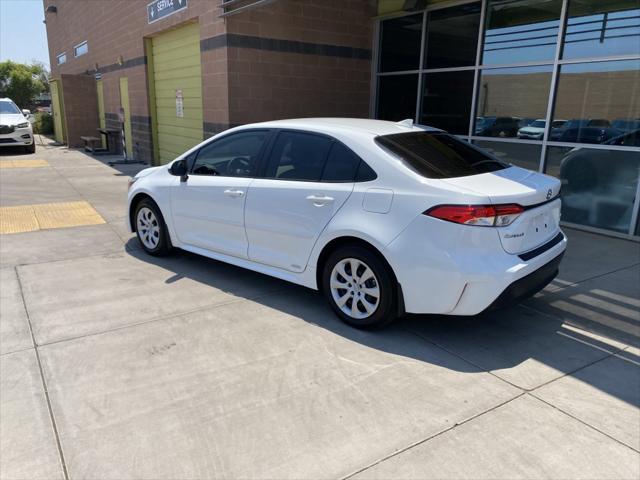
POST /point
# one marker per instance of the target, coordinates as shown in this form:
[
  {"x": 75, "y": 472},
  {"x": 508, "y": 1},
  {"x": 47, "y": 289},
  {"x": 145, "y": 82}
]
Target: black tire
[
  {"x": 386, "y": 310},
  {"x": 163, "y": 246},
  {"x": 31, "y": 148}
]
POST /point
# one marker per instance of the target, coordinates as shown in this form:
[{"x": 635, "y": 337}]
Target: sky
[{"x": 23, "y": 19}]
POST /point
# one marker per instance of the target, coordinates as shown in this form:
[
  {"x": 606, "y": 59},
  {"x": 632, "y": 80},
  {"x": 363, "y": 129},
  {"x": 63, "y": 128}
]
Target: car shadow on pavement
[
  {"x": 520, "y": 345},
  {"x": 13, "y": 152}
]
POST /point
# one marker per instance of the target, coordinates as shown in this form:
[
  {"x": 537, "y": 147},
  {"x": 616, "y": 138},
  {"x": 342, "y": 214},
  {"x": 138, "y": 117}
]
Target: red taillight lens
[{"x": 478, "y": 215}]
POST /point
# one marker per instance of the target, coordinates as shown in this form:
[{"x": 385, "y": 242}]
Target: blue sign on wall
[{"x": 159, "y": 9}]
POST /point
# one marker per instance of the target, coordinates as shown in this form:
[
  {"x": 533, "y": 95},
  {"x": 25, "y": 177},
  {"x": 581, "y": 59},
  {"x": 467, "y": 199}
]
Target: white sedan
[
  {"x": 384, "y": 218},
  {"x": 15, "y": 126},
  {"x": 535, "y": 130}
]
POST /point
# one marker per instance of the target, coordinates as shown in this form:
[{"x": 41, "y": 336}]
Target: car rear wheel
[
  {"x": 151, "y": 229},
  {"x": 360, "y": 287}
]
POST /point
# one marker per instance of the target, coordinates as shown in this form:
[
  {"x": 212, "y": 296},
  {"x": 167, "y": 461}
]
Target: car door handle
[
  {"x": 320, "y": 201},
  {"x": 234, "y": 193}
]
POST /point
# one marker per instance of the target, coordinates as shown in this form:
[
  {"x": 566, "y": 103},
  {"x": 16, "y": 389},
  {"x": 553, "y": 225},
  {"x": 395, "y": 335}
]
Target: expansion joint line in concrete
[{"x": 44, "y": 381}]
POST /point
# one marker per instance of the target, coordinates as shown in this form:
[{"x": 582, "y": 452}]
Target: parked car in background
[
  {"x": 16, "y": 129},
  {"x": 557, "y": 132},
  {"x": 588, "y": 135},
  {"x": 626, "y": 125},
  {"x": 630, "y": 139},
  {"x": 382, "y": 217},
  {"x": 535, "y": 131},
  {"x": 525, "y": 122},
  {"x": 497, "y": 126}
]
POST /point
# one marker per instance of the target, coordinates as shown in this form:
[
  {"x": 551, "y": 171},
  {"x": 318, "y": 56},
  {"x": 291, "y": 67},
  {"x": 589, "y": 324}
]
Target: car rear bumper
[
  {"x": 464, "y": 271},
  {"x": 16, "y": 139},
  {"x": 528, "y": 285}
]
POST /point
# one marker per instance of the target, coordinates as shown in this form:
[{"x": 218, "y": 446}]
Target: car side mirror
[
  {"x": 179, "y": 169},
  {"x": 26, "y": 112}
]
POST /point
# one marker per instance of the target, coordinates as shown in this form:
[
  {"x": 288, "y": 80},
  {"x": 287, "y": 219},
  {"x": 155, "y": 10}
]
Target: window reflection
[
  {"x": 600, "y": 100},
  {"x": 511, "y": 101},
  {"x": 446, "y": 100},
  {"x": 397, "y": 97},
  {"x": 452, "y": 36},
  {"x": 598, "y": 186},
  {"x": 597, "y": 28},
  {"x": 520, "y": 154},
  {"x": 400, "y": 43},
  {"x": 521, "y": 31}
]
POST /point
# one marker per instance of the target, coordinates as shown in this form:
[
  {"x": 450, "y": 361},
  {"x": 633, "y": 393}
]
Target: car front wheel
[
  {"x": 151, "y": 229},
  {"x": 360, "y": 287}
]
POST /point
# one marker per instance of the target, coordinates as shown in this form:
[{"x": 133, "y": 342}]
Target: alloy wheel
[
  {"x": 355, "y": 288},
  {"x": 148, "y": 228}
]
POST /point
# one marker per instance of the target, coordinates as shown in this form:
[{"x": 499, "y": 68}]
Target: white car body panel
[
  {"x": 197, "y": 223},
  {"x": 283, "y": 219},
  {"x": 442, "y": 267}
]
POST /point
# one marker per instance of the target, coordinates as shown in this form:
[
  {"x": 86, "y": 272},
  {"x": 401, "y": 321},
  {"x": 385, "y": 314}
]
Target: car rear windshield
[{"x": 439, "y": 155}]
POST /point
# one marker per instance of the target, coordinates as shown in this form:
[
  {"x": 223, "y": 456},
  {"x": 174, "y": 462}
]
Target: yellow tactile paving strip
[
  {"x": 29, "y": 163},
  {"x": 29, "y": 218}
]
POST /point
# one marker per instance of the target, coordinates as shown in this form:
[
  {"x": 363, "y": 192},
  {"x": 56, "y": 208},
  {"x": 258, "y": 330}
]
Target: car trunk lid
[{"x": 536, "y": 192}]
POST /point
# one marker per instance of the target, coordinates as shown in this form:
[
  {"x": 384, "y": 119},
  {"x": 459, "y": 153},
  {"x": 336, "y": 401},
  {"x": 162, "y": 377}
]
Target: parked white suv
[
  {"x": 15, "y": 127},
  {"x": 383, "y": 217}
]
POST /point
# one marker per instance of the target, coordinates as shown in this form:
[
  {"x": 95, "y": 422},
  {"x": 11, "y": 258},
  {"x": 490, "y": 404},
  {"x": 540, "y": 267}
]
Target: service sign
[{"x": 159, "y": 9}]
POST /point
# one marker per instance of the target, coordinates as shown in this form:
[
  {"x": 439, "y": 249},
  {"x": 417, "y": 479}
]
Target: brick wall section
[
  {"x": 242, "y": 80},
  {"x": 81, "y": 108},
  {"x": 114, "y": 30},
  {"x": 266, "y": 84}
]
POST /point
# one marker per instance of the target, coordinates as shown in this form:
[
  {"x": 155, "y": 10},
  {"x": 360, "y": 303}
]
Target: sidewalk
[{"x": 115, "y": 364}]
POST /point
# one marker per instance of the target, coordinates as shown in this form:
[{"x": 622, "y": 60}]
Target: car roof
[{"x": 356, "y": 125}]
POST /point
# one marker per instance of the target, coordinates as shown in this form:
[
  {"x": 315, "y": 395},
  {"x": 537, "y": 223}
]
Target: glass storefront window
[
  {"x": 452, "y": 36},
  {"x": 520, "y": 154},
  {"x": 446, "y": 100},
  {"x": 512, "y": 102},
  {"x": 520, "y": 31},
  {"x": 400, "y": 40},
  {"x": 596, "y": 28},
  {"x": 599, "y": 101},
  {"x": 598, "y": 186},
  {"x": 397, "y": 97}
]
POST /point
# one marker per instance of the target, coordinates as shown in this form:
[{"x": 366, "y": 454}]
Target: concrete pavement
[{"x": 117, "y": 365}]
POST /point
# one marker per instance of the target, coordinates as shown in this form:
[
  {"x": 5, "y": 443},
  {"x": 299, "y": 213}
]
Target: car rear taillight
[{"x": 478, "y": 215}]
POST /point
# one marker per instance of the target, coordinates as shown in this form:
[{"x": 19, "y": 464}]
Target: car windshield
[
  {"x": 439, "y": 155},
  {"x": 538, "y": 124},
  {"x": 9, "y": 108}
]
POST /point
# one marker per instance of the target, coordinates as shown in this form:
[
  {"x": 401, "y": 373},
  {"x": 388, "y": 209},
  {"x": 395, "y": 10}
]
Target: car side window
[
  {"x": 235, "y": 155},
  {"x": 298, "y": 156},
  {"x": 343, "y": 165}
]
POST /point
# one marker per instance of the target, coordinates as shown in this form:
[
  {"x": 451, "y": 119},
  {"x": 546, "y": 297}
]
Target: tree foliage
[{"x": 23, "y": 83}]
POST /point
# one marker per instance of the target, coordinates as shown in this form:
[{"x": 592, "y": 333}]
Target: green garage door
[{"x": 177, "y": 77}]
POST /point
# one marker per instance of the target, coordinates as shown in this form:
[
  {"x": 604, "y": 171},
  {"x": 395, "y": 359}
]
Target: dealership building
[{"x": 551, "y": 85}]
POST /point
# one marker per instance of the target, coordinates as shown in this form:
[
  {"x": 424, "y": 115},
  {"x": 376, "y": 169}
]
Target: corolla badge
[
  {"x": 514, "y": 235},
  {"x": 549, "y": 194}
]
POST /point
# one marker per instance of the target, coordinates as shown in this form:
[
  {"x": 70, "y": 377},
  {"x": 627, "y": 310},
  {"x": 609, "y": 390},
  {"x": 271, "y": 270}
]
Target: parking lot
[{"x": 118, "y": 365}]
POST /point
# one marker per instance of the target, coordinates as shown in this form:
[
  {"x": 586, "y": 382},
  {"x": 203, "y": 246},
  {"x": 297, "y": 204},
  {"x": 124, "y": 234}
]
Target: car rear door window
[
  {"x": 439, "y": 155},
  {"x": 298, "y": 156},
  {"x": 234, "y": 155}
]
